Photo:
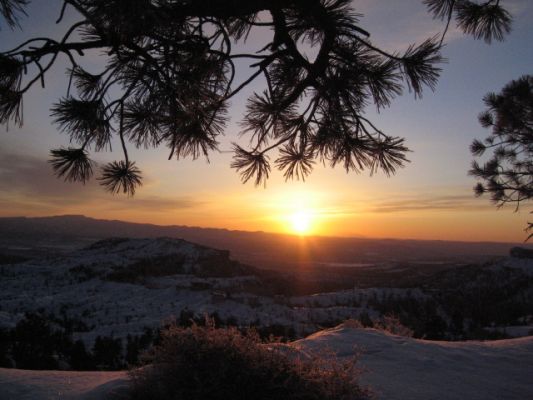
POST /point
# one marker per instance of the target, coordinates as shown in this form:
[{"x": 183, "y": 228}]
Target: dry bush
[
  {"x": 200, "y": 363},
  {"x": 353, "y": 323},
  {"x": 392, "y": 324}
]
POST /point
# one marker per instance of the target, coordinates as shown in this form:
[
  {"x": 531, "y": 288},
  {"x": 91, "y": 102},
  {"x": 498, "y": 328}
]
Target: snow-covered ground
[
  {"x": 16, "y": 384},
  {"x": 397, "y": 368},
  {"x": 93, "y": 286}
]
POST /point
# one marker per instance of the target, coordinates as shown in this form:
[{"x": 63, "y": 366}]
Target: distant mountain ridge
[
  {"x": 257, "y": 248},
  {"x": 80, "y": 225}
]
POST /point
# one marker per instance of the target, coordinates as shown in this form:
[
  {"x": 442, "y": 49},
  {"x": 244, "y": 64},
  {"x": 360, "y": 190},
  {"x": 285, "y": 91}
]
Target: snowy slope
[
  {"x": 397, "y": 368},
  {"x": 401, "y": 368},
  {"x": 18, "y": 384}
]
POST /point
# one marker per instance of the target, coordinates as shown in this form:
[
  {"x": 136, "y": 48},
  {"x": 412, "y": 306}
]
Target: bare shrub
[
  {"x": 353, "y": 323},
  {"x": 200, "y": 363},
  {"x": 391, "y": 323}
]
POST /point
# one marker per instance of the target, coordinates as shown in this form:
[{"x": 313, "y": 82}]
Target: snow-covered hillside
[
  {"x": 397, "y": 368},
  {"x": 118, "y": 287}
]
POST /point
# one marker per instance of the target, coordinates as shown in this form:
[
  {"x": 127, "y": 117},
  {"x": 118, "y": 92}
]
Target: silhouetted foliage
[
  {"x": 170, "y": 73},
  {"x": 5, "y": 344},
  {"x": 72, "y": 164},
  {"x": 44, "y": 341},
  {"x": 486, "y": 20},
  {"x": 121, "y": 176},
  {"x": 229, "y": 364},
  {"x": 507, "y": 176},
  {"x": 11, "y": 9},
  {"x": 80, "y": 359},
  {"x": 365, "y": 320},
  {"x": 107, "y": 353},
  {"x": 11, "y": 259},
  {"x": 34, "y": 344}
]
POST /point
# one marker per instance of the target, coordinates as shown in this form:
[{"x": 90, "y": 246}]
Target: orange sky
[
  {"x": 338, "y": 204},
  {"x": 431, "y": 198}
]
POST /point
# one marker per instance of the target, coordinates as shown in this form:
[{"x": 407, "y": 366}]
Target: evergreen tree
[
  {"x": 107, "y": 353},
  {"x": 170, "y": 73},
  {"x": 132, "y": 350},
  {"x": 34, "y": 343},
  {"x": 507, "y": 176},
  {"x": 79, "y": 358},
  {"x": 5, "y": 348}
]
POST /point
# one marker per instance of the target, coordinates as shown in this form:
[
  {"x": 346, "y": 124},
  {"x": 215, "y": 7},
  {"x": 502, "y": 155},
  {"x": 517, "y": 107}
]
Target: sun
[
  {"x": 298, "y": 212},
  {"x": 301, "y": 222}
]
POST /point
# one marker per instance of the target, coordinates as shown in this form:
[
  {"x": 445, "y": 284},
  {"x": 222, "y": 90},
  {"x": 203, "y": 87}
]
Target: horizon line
[{"x": 356, "y": 237}]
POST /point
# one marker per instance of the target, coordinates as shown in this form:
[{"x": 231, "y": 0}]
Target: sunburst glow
[{"x": 301, "y": 222}]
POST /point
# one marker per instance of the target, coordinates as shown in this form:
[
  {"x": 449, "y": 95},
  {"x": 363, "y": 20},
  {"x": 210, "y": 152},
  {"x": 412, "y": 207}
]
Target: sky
[{"x": 431, "y": 198}]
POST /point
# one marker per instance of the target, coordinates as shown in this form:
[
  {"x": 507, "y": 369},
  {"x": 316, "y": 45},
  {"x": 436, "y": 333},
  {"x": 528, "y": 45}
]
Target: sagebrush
[{"x": 200, "y": 363}]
